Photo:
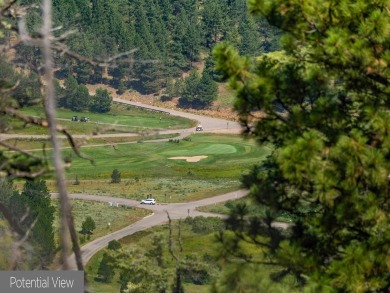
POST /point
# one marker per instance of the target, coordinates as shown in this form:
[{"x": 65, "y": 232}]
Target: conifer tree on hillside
[{"x": 329, "y": 170}]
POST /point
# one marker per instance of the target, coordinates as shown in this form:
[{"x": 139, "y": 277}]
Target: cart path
[
  {"x": 209, "y": 125},
  {"x": 159, "y": 217}
]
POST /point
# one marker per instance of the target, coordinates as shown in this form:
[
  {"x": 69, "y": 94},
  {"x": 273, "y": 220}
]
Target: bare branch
[
  {"x": 16, "y": 246},
  {"x": 8, "y": 215},
  {"x": 170, "y": 241},
  {"x": 16, "y": 149},
  {"x": 180, "y": 241},
  {"x": 29, "y": 175},
  {"x": 26, "y": 234},
  {"x": 26, "y": 214},
  {"x": 6, "y": 7},
  {"x": 40, "y": 122}
]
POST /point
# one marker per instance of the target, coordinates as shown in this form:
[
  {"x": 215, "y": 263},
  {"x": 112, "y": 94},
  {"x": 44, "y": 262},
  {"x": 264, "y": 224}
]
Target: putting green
[{"x": 200, "y": 150}]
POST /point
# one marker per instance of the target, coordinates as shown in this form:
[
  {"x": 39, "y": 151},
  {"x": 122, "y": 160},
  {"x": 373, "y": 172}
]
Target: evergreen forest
[{"x": 165, "y": 37}]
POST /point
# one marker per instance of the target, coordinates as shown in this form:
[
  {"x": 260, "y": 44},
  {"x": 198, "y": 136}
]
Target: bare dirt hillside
[{"x": 222, "y": 108}]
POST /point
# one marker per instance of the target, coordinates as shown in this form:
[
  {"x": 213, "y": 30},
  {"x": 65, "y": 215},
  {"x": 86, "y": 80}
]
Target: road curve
[
  {"x": 209, "y": 125},
  {"x": 159, "y": 217}
]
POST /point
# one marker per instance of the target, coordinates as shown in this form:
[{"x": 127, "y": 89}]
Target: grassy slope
[
  {"x": 146, "y": 168},
  {"x": 102, "y": 214},
  {"x": 124, "y": 118},
  {"x": 193, "y": 244},
  {"x": 228, "y": 157},
  {"x": 36, "y": 143},
  {"x": 198, "y": 245}
]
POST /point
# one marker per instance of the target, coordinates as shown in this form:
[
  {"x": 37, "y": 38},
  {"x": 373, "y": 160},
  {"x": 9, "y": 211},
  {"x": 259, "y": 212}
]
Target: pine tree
[
  {"x": 325, "y": 109},
  {"x": 37, "y": 197},
  {"x": 115, "y": 176},
  {"x": 190, "y": 90},
  {"x": 105, "y": 270},
  {"x": 208, "y": 91},
  {"x": 79, "y": 100},
  {"x": 214, "y": 21},
  {"x": 88, "y": 225},
  {"x": 101, "y": 101}
]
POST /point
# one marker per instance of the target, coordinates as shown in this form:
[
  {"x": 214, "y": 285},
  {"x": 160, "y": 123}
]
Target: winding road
[
  {"x": 209, "y": 125},
  {"x": 159, "y": 215}
]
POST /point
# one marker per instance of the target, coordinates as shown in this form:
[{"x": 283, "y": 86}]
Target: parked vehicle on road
[{"x": 148, "y": 201}]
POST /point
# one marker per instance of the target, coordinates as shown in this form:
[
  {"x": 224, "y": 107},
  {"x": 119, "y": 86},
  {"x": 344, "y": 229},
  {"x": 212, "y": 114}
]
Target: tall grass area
[
  {"x": 107, "y": 219},
  {"x": 164, "y": 190},
  {"x": 225, "y": 208},
  {"x": 197, "y": 247},
  {"x": 200, "y": 261}
]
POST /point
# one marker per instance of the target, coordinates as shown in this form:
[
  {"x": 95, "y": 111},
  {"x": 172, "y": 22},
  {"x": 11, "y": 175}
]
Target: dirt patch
[
  {"x": 217, "y": 110},
  {"x": 189, "y": 159}
]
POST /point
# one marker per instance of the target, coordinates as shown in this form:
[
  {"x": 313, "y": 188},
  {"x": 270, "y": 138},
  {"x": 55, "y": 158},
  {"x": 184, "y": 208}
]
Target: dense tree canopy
[
  {"x": 101, "y": 101},
  {"x": 33, "y": 205},
  {"x": 174, "y": 33},
  {"x": 324, "y": 105}
]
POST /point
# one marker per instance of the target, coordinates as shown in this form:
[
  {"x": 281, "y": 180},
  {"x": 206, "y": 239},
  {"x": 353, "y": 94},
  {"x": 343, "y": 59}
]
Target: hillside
[{"x": 168, "y": 39}]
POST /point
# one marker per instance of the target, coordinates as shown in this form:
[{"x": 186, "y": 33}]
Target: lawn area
[
  {"x": 147, "y": 168},
  {"x": 102, "y": 214},
  {"x": 120, "y": 116},
  {"x": 37, "y": 143},
  {"x": 228, "y": 156}
]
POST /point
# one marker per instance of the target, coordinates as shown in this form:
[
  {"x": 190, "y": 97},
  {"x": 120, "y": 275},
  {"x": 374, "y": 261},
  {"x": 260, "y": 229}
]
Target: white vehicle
[
  {"x": 148, "y": 201},
  {"x": 199, "y": 128}
]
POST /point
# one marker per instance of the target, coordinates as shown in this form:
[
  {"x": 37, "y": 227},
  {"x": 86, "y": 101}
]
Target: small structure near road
[{"x": 113, "y": 204}]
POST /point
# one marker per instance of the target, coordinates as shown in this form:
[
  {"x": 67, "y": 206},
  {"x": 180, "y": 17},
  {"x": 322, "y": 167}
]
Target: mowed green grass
[
  {"x": 120, "y": 116},
  {"x": 37, "y": 143},
  {"x": 148, "y": 168},
  {"x": 228, "y": 156}
]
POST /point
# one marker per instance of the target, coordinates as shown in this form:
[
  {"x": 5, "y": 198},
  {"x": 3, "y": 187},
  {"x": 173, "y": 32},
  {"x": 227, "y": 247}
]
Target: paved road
[
  {"x": 159, "y": 217},
  {"x": 176, "y": 211},
  {"x": 209, "y": 125}
]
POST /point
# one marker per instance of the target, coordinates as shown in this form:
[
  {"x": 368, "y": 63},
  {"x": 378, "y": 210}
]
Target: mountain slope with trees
[{"x": 168, "y": 36}]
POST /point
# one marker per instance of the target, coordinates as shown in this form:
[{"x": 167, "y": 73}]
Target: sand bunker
[{"x": 189, "y": 159}]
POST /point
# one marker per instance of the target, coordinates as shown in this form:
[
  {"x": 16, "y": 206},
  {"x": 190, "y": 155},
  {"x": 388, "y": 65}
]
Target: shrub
[{"x": 202, "y": 225}]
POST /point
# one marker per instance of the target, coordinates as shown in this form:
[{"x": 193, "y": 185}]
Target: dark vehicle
[
  {"x": 84, "y": 119},
  {"x": 74, "y": 118},
  {"x": 199, "y": 128}
]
